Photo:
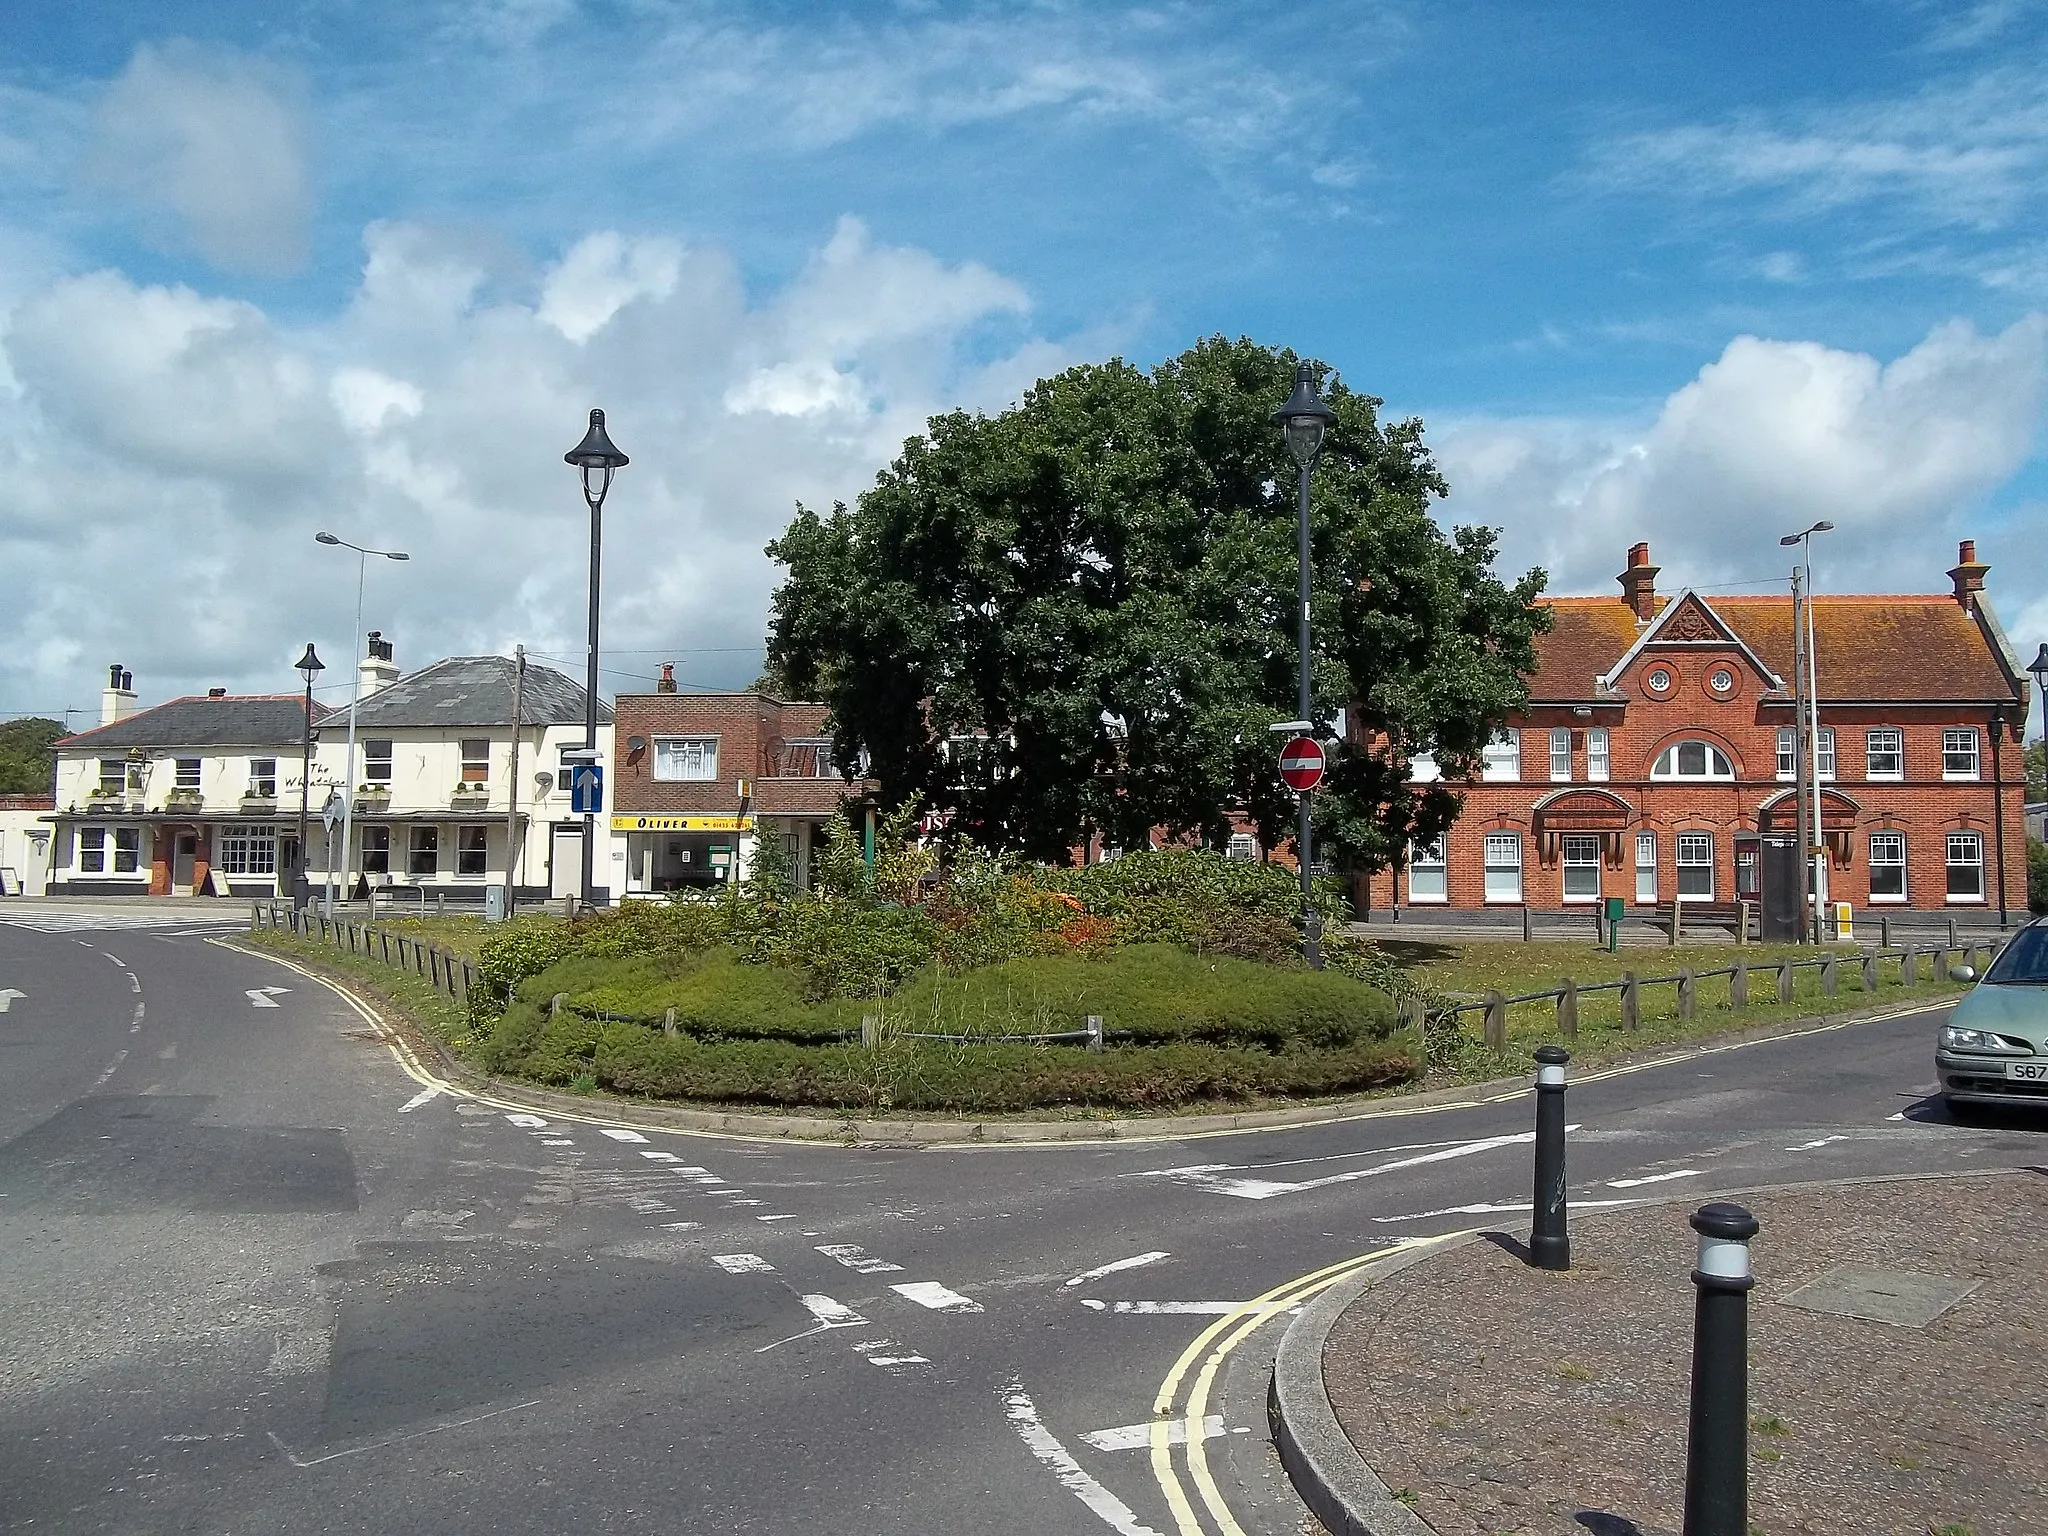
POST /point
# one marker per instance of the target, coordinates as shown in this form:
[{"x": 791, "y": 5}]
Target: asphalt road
[{"x": 256, "y": 1275}]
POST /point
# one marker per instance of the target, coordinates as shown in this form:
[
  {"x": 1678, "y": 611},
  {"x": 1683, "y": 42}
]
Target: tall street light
[
  {"x": 598, "y": 459},
  {"x": 308, "y": 666},
  {"x": 355, "y": 692},
  {"x": 1303, "y": 421},
  {"x": 1816, "y": 853}
]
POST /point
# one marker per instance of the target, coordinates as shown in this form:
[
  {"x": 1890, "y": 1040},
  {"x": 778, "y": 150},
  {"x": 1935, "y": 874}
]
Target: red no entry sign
[{"x": 1301, "y": 763}]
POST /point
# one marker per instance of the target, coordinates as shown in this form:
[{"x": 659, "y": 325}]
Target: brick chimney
[
  {"x": 667, "y": 681},
  {"x": 117, "y": 699},
  {"x": 1639, "y": 583},
  {"x": 1968, "y": 574}
]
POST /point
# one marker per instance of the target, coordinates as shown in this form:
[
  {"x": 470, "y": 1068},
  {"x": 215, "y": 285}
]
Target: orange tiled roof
[{"x": 1877, "y": 647}]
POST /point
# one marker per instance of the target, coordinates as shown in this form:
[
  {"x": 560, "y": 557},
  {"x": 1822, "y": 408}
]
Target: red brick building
[
  {"x": 699, "y": 776},
  {"x": 1658, "y": 751}
]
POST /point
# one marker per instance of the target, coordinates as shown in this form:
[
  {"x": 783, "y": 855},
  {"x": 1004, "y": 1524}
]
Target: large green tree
[
  {"x": 28, "y": 758},
  {"x": 1078, "y": 616}
]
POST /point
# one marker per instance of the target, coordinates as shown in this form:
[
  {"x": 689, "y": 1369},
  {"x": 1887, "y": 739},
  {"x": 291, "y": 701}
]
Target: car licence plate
[{"x": 2026, "y": 1071}]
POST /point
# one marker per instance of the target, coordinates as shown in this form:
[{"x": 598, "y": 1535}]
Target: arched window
[{"x": 1692, "y": 760}]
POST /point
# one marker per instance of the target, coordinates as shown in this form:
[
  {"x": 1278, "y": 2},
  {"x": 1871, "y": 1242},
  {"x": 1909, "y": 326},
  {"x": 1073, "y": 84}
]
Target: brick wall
[{"x": 755, "y": 735}]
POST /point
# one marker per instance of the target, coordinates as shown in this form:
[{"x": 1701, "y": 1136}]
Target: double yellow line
[{"x": 1232, "y": 1329}]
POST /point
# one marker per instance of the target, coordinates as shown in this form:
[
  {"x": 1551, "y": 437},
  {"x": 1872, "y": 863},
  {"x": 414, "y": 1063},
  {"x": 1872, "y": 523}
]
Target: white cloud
[
  {"x": 600, "y": 276},
  {"x": 208, "y": 145},
  {"x": 1767, "y": 439},
  {"x": 171, "y": 453}
]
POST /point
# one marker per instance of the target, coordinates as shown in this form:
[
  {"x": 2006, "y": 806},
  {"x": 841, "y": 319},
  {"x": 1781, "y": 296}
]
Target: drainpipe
[{"x": 1998, "y": 808}]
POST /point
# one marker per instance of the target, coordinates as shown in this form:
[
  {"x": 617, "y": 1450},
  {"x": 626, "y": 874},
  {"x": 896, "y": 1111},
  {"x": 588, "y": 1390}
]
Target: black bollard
[
  {"x": 1717, "y": 1439},
  {"x": 1549, "y": 1247}
]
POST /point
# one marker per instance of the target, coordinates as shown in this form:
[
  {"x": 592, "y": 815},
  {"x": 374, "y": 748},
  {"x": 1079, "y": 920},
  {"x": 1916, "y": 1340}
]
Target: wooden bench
[{"x": 1677, "y": 917}]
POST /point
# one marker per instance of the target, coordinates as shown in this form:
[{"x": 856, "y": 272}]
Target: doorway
[
  {"x": 184, "y": 854},
  {"x": 565, "y": 860}
]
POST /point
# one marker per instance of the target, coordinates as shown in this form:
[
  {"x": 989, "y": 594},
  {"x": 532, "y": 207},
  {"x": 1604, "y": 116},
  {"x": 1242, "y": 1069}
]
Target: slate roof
[
  {"x": 474, "y": 691},
  {"x": 1879, "y": 648},
  {"x": 247, "y": 720}
]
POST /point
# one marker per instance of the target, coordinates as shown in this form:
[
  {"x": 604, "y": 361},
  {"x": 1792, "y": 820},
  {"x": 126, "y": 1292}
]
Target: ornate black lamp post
[
  {"x": 1303, "y": 420},
  {"x": 598, "y": 459},
  {"x": 308, "y": 667}
]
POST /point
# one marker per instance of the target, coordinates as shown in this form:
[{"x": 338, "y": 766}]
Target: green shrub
[
  {"x": 713, "y": 993},
  {"x": 846, "y": 948},
  {"x": 910, "y": 1077},
  {"x": 1200, "y": 898},
  {"x": 2037, "y": 876}
]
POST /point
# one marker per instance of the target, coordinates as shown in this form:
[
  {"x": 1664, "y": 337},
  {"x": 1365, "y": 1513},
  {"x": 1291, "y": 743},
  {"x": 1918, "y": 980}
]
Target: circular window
[
  {"x": 1723, "y": 681},
  {"x": 1659, "y": 681}
]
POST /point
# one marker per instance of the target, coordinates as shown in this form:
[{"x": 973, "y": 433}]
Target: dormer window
[{"x": 1693, "y": 760}]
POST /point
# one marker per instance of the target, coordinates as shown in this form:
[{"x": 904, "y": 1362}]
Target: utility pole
[
  {"x": 512, "y": 849},
  {"x": 1817, "y": 851}
]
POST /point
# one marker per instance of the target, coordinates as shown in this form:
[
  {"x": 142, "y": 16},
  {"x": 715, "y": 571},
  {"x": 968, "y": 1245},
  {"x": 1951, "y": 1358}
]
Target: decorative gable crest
[{"x": 1688, "y": 620}]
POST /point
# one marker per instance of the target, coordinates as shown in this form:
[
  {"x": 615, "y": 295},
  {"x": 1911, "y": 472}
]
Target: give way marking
[
  {"x": 1216, "y": 1177},
  {"x": 266, "y": 997}
]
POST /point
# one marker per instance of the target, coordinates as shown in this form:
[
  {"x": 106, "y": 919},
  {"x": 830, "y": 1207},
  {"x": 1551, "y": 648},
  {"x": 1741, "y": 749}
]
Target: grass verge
[{"x": 437, "y": 1015}]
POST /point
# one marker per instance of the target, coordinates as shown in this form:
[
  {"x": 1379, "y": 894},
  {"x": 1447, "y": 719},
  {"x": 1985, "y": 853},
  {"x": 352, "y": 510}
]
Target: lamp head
[
  {"x": 396, "y": 554},
  {"x": 309, "y": 665},
  {"x": 324, "y": 537},
  {"x": 597, "y": 457},
  {"x": 2039, "y": 667},
  {"x": 1304, "y": 418}
]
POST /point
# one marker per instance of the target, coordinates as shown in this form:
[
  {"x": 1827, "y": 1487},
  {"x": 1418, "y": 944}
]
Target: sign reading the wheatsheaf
[{"x": 682, "y": 823}]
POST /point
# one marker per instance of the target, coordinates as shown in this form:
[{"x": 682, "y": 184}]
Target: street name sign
[{"x": 1301, "y": 763}]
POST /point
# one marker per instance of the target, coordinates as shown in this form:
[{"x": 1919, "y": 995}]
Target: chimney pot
[
  {"x": 1639, "y": 554},
  {"x": 216, "y": 693},
  {"x": 117, "y": 699},
  {"x": 667, "y": 683}
]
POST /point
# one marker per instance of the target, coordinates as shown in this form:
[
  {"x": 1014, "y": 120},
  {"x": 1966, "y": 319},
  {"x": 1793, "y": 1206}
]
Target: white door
[{"x": 565, "y": 876}]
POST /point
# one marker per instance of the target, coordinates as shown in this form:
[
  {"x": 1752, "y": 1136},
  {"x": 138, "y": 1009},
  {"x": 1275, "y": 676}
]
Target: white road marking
[
  {"x": 1135, "y": 1437},
  {"x": 75, "y": 921},
  {"x": 134, "y": 982},
  {"x": 646, "y": 1205},
  {"x": 112, "y": 1066},
  {"x": 775, "y": 1218},
  {"x": 1655, "y": 1178},
  {"x": 1042, "y": 1443},
  {"x": 832, "y": 1314},
  {"x": 1166, "y": 1308},
  {"x": 115, "y": 958},
  {"x": 526, "y": 1122},
  {"x": 746, "y": 1202},
  {"x": 1210, "y": 1176},
  {"x": 374, "y": 1445},
  {"x": 1490, "y": 1210},
  {"x": 556, "y": 1141},
  {"x": 1109, "y": 1269},
  {"x": 856, "y": 1257},
  {"x": 681, "y": 1226},
  {"x": 661, "y": 1157},
  {"x": 619, "y": 1135},
  {"x": 424, "y": 1096},
  {"x": 265, "y": 997},
  {"x": 739, "y": 1263},
  {"x": 1809, "y": 1146},
  {"x": 7, "y": 997},
  {"x": 929, "y": 1293},
  {"x": 898, "y": 1360}
]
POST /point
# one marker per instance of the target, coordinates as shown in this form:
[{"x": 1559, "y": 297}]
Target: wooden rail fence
[{"x": 448, "y": 972}]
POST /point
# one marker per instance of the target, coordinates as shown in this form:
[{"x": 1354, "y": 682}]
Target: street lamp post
[
  {"x": 598, "y": 460},
  {"x": 355, "y": 692},
  {"x": 308, "y": 667},
  {"x": 1304, "y": 420},
  {"x": 1816, "y": 854}
]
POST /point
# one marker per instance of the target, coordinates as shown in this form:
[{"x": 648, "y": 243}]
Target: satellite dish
[{"x": 543, "y": 782}]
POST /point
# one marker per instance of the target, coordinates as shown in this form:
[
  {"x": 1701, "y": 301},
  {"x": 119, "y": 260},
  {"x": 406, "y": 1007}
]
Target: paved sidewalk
[{"x": 1490, "y": 1397}]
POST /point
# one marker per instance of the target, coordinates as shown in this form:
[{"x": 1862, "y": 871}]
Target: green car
[{"x": 1994, "y": 1046}]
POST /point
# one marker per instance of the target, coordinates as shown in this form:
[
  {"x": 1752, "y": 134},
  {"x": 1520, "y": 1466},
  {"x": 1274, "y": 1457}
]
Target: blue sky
[{"x": 1691, "y": 276}]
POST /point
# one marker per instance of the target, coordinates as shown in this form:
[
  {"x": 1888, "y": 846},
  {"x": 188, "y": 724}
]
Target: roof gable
[{"x": 1687, "y": 620}]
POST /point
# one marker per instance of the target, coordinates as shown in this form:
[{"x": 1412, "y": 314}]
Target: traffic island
[{"x": 1896, "y": 1356}]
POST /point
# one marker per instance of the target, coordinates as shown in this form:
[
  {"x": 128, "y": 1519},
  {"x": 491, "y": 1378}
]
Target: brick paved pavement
[{"x": 1496, "y": 1398}]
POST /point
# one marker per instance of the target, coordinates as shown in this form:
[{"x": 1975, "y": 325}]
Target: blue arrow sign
[{"x": 586, "y": 790}]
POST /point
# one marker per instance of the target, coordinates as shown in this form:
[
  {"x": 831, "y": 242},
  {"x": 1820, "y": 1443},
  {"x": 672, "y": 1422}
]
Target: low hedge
[
  {"x": 915, "y": 1076},
  {"x": 1182, "y": 1029}
]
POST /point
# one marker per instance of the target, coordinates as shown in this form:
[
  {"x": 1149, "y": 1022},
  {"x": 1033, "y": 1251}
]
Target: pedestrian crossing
[{"x": 109, "y": 919}]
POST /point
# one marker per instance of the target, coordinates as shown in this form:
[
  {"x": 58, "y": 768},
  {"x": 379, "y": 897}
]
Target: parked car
[{"x": 1993, "y": 1048}]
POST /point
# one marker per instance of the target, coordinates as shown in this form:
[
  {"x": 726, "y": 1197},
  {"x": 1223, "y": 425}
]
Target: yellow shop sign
[{"x": 682, "y": 823}]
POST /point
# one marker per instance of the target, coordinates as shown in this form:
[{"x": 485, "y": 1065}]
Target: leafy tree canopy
[
  {"x": 1078, "y": 616},
  {"x": 28, "y": 759}
]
